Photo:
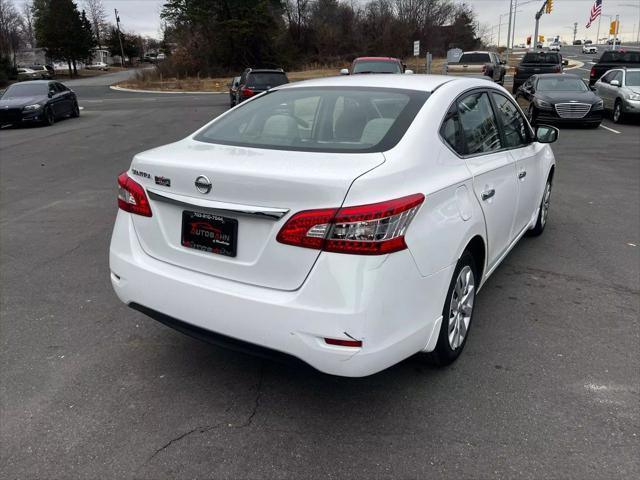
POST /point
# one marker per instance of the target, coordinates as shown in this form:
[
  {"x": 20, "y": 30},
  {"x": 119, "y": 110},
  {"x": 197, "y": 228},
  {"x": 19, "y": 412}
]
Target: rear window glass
[
  {"x": 266, "y": 79},
  {"x": 376, "y": 66},
  {"x": 620, "y": 57},
  {"x": 475, "y": 58},
  {"x": 329, "y": 119},
  {"x": 541, "y": 57}
]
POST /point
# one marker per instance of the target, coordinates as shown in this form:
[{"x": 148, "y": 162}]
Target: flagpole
[{"x": 599, "y": 20}]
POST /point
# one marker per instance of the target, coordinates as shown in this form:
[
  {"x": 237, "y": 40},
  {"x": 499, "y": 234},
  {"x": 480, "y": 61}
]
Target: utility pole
[
  {"x": 575, "y": 31},
  {"x": 615, "y": 31},
  {"x": 637, "y": 5},
  {"x": 119, "y": 37},
  {"x": 509, "y": 29},
  {"x": 513, "y": 30}
]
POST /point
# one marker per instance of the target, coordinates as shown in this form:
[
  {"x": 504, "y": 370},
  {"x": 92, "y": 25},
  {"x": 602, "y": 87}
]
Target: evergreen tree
[{"x": 64, "y": 33}]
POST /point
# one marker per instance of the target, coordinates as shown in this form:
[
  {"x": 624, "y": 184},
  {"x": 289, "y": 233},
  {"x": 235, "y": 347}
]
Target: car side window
[
  {"x": 61, "y": 87},
  {"x": 516, "y": 132},
  {"x": 607, "y": 77},
  {"x": 616, "y": 76},
  {"x": 452, "y": 132},
  {"x": 479, "y": 125}
]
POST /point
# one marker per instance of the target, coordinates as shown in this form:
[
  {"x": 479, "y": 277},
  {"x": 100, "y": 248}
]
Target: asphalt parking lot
[{"x": 548, "y": 386}]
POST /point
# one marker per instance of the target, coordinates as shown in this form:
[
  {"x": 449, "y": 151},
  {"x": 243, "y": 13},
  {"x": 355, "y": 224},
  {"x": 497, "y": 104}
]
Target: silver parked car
[{"x": 620, "y": 91}]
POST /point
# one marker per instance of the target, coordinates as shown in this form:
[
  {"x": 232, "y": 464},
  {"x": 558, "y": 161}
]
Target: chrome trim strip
[{"x": 191, "y": 202}]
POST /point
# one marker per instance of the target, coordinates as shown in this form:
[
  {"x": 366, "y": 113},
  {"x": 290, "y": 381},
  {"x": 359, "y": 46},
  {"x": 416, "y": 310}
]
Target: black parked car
[
  {"x": 535, "y": 63},
  {"x": 559, "y": 98},
  {"x": 255, "y": 81},
  {"x": 614, "y": 59},
  {"x": 38, "y": 101}
]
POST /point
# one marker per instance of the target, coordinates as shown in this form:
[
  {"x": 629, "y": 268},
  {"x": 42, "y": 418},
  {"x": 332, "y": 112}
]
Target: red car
[{"x": 376, "y": 65}]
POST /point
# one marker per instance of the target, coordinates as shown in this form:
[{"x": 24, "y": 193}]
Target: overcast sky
[{"x": 143, "y": 16}]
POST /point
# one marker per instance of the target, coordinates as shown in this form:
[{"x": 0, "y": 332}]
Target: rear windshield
[
  {"x": 475, "y": 58},
  {"x": 620, "y": 57},
  {"x": 564, "y": 83},
  {"x": 314, "y": 119},
  {"x": 541, "y": 57},
  {"x": 376, "y": 66},
  {"x": 26, "y": 90},
  {"x": 266, "y": 79}
]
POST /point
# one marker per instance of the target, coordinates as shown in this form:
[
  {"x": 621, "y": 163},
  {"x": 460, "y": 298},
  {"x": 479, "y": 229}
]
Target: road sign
[
  {"x": 416, "y": 48},
  {"x": 614, "y": 27}
]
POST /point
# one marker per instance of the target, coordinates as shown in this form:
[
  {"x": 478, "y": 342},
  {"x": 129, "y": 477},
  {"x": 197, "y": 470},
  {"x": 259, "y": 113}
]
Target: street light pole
[
  {"x": 509, "y": 29},
  {"x": 119, "y": 37}
]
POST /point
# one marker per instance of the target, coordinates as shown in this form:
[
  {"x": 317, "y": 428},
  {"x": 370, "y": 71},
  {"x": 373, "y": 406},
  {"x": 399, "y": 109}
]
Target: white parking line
[{"x": 610, "y": 129}]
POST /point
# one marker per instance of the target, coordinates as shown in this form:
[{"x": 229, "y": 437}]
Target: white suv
[{"x": 341, "y": 221}]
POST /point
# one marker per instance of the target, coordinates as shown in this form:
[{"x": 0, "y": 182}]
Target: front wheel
[
  {"x": 49, "y": 117},
  {"x": 618, "y": 115},
  {"x": 457, "y": 312},
  {"x": 543, "y": 213},
  {"x": 75, "y": 111}
]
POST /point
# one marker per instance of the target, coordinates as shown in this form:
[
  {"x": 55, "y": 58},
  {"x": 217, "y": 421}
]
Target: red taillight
[
  {"x": 343, "y": 343},
  {"x": 374, "y": 229},
  {"x": 247, "y": 92},
  {"x": 132, "y": 197},
  {"x": 593, "y": 72}
]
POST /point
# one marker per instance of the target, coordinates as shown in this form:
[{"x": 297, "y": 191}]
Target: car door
[
  {"x": 67, "y": 98},
  {"x": 614, "y": 90},
  {"x": 493, "y": 170},
  {"x": 525, "y": 94},
  {"x": 604, "y": 90},
  {"x": 519, "y": 139}
]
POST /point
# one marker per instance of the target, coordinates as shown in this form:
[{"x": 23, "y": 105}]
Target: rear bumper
[{"x": 383, "y": 301}]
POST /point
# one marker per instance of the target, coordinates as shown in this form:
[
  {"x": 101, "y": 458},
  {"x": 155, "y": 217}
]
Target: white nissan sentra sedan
[{"x": 349, "y": 222}]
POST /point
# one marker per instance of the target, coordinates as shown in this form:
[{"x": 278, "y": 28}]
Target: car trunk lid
[{"x": 257, "y": 188}]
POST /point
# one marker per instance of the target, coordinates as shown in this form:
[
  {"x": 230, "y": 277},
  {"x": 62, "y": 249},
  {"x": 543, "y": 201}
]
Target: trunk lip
[{"x": 272, "y": 213}]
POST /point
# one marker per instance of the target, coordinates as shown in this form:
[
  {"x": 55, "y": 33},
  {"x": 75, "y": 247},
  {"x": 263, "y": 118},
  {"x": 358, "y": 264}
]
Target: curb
[
  {"x": 170, "y": 92},
  {"x": 578, "y": 64}
]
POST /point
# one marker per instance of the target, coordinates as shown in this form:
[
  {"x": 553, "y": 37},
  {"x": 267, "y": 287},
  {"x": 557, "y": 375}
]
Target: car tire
[
  {"x": 456, "y": 318},
  {"x": 49, "y": 117},
  {"x": 618, "y": 114},
  {"x": 75, "y": 111},
  {"x": 543, "y": 212}
]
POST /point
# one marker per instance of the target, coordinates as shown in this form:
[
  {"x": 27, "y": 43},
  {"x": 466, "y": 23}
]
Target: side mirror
[
  {"x": 408, "y": 72},
  {"x": 546, "y": 134},
  {"x": 614, "y": 83},
  {"x": 344, "y": 71},
  {"x": 565, "y": 62}
]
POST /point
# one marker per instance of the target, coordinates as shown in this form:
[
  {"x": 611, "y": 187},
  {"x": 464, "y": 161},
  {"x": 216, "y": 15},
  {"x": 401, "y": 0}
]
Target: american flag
[{"x": 596, "y": 11}]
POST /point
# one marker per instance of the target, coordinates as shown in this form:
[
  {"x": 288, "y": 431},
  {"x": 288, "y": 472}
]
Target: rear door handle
[
  {"x": 487, "y": 194},
  {"x": 522, "y": 174}
]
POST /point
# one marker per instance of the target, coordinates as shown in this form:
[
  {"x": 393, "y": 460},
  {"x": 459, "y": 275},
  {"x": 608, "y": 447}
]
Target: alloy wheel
[
  {"x": 617, "y": 112},
  {"x": 546, "y": 200},
  {"x": 461, "y": 307}
]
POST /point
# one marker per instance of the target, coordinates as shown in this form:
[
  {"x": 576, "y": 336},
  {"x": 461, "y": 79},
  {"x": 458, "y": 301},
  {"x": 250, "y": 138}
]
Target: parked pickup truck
[
  {"x": 479, "y": 64},
  {"x": 535, "y": 63},
  {"x": 614, "y": 59}
]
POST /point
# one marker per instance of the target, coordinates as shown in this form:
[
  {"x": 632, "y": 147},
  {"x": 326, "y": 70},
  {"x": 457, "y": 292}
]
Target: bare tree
[
  {"x": 98, "y": 18},
  {"x": 11, "y": 28},
  {"x": 27, "y": 23}
]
